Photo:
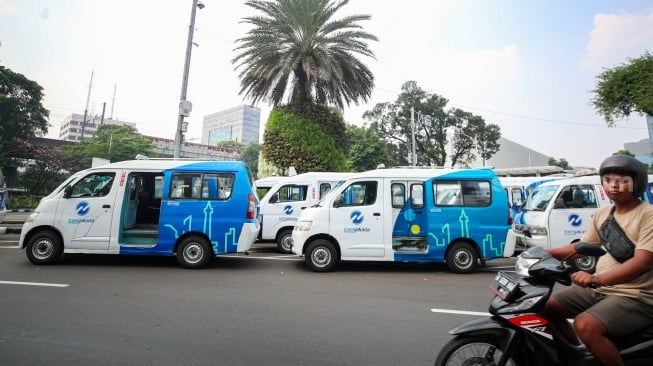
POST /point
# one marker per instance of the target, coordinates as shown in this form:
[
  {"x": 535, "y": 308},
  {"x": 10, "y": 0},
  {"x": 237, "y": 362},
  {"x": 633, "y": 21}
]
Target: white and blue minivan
[
  {"x": 193, "y": 210},
  {"x": 457, "y": 217}
]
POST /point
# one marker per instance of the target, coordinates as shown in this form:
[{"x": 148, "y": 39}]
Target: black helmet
[{"x": 626, "y": 165}]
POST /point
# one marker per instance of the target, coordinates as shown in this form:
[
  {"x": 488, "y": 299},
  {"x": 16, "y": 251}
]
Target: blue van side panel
[
  {"x": 442, "y": 225},
  {"x": 220, "y": 220}
]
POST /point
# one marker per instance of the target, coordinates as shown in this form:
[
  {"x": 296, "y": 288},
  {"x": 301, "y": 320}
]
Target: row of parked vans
[{"x": 195, "y": 210}]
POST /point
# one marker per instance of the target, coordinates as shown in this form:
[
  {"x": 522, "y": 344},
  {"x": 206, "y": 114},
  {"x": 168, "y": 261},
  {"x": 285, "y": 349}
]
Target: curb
[
  {"x": 10, "y": 230},
  {"x": 19, "y": 210}
]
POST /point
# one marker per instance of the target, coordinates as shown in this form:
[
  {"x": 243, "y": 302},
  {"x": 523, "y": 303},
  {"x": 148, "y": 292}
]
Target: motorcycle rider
[{"x": 622, "y": 301}]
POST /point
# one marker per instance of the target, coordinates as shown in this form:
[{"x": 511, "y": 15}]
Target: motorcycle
[{"x": 517, "y": 333}]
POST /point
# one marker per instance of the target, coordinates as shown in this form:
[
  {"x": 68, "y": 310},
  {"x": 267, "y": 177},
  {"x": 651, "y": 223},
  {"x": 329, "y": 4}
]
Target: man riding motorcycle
[{"x": 618, "y": 298}]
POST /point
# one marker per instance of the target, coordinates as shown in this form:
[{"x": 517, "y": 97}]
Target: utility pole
[
  {"x": 88, "y": 99},
  {"x": 184, "y": 105},
  {"x": 413, "y": 154}
]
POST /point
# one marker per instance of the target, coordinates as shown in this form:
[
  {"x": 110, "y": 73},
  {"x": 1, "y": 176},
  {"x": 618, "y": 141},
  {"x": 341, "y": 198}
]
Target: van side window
[
  {"x": 359, "y": 194},
  {"x": 516, "y": 195},
  {"x": 398, "y": 195},
  {"x": 447, "y": 193},
  {"x": 576, "y": 196},
  {"x": 201, "y": 186},
  {"x": 93, "y": 185},
  {"x": 476, "y": 193},
  {"x": 324, "y": 188},
  {"x": 417, "y": 196},
  {"x": 290, "y": 193}
]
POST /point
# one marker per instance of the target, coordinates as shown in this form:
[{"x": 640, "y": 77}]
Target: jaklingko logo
[
  {"x": 575, "y": 220},
  {"x": 288, "y": 210},
  {"x": 82, "y": 208},
  {"x": 356, "y": 217}
]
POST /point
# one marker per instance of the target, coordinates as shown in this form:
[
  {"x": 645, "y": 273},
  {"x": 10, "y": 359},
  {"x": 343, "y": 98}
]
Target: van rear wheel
[
  {"x": 461, "y": 257},
  {"x": 321, "y": 255},
  {"x": 194, "y": 252},
  {"x": 284, "y": 241},
  {"x": 44, "y": 247}
]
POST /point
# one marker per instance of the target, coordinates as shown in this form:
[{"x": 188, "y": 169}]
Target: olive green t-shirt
[{"x": 638, "y": 226}]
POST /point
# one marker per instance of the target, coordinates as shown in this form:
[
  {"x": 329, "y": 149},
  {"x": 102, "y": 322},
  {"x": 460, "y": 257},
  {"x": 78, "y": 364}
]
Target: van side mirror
[
  {"x": 274, "y": 198},
  {"x": 560, "y": 203},
  {"x": 338, "y": 201},
  {"x": 67, "y": 192}
]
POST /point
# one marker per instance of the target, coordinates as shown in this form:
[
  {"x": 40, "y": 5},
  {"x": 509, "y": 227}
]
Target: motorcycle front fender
[{"x": 490, "y": 326}]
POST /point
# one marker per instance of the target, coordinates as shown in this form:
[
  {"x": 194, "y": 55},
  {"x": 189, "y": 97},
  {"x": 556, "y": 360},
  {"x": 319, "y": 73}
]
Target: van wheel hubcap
[
  {"x": 193, "y": 253},
  {"x": 321, "y": 257},
  {"x": 43, "y": 249}
]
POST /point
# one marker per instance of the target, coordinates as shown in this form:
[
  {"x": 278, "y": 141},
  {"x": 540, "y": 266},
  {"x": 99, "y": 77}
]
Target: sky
[{"x": 527, "y": 66}]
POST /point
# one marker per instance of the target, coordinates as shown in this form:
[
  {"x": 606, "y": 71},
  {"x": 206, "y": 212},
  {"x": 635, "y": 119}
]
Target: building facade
[
  {"x": 73, "y": 127},
  {"x": 240, "y": 124}
]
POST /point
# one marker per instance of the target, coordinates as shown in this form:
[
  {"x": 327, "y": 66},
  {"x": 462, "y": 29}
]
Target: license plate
[{"x": 504, "y": 286}]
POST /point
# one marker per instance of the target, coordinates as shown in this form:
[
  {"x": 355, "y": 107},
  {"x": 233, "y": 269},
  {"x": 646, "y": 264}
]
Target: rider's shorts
[{"x": 621, "y": 315}]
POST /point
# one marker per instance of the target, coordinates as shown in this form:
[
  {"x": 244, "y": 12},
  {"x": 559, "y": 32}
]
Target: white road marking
[
  {"x": 34, "y": 284},
  {"x": 459, "y": 312},
  {"x": 11, "y": 247}
]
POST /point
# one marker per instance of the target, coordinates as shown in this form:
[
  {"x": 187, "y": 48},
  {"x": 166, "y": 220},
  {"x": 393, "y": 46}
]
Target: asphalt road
[{"x": 261, "y": 309}]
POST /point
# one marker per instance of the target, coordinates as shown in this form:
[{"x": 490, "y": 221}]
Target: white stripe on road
[
  {"x": 11, "y": 247},
  {"x": 458, "y": 312},
  {"x": 34, "y": 284}
]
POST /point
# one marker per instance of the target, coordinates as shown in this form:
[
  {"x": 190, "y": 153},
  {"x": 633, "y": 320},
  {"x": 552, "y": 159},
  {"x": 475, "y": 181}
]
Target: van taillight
[
  {"x": 251, "y": 209},
  {"x": 509, "y": 214}
]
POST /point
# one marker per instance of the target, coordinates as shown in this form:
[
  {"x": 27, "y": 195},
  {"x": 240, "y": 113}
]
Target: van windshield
[
  {"x": 539, "y": 198},
  {"x": 327, "y": 196}
]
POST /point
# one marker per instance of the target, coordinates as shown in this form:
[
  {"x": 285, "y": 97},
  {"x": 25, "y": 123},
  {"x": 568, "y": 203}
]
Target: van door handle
[
  {"x": 377, "y": 214},
  {"x": 106, "y": 206},
  {"x": 303, "y": 207}
]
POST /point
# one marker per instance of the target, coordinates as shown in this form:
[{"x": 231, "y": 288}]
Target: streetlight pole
[{"x": 184, "y": 105}]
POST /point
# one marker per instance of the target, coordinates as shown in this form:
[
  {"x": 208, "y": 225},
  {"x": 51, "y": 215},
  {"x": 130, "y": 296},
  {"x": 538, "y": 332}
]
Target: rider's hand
[{"x": 584, "y": 279}]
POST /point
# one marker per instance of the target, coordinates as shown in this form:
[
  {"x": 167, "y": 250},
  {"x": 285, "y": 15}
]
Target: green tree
[
  {"x": 43, "y": 173},
  {"x": 624, "y": 152},
  {"x": 296, "y": 47},
  {"x": 625, "y": 89},
  {"x": 432, "y": 121},
  {"x": 291, "y": 140},
  {"x": 21, "y": 113},
  {"x": 229, "y": 144},
  {"x": 112, "y": 142},
  {"x": 366, "y": 149},
  {"x": 250, "y": 156},
  {"x": 563, "y": 163}
]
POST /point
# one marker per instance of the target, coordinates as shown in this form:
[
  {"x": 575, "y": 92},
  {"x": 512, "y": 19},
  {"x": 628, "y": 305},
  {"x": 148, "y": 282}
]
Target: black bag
[{"x": 615, "y": 240}]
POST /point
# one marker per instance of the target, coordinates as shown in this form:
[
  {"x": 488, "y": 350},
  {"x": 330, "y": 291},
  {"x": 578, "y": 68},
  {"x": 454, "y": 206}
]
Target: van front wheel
[
  {"x": 194, "y": 252},
  {"x": 44, "y": 247},
  {"x": 461, "y": 257},
  {"x": 284, "y": 241},
  {"x": 321, "y": 256}
]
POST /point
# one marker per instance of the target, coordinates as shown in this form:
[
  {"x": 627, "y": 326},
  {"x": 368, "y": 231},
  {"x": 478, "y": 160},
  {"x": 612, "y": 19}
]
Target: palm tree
[{"x": 297, "y": 43}]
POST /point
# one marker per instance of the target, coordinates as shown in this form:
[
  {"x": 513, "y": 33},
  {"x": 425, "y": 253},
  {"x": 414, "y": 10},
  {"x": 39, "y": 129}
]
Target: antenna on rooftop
[{"x": 88, "y": 99}]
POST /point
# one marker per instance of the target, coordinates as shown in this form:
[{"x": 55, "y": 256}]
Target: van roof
[
  {"x": 160, "y": 165},
  {"x": 585, "y": 179}
]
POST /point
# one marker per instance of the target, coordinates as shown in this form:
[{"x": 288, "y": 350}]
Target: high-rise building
[
  {"x": 240, "y": 124},
  {"x": 73, "y": 127}
]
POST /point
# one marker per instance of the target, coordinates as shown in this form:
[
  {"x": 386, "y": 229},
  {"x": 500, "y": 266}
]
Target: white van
[
  {"x": 518, "y": 188},
  {"x": 281, "y": 206},
  {"x": 193, "y": 210},
  {"x": 556, "y": 213},
  {"x": 263, "y": 185},
  {"x": 457, "y": 217}
]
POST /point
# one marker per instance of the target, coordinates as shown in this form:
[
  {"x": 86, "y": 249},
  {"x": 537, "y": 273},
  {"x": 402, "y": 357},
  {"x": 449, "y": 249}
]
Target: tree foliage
[
  {"x": 367, "y": 149},
  {"x": 625, "y": 89},
  {"x": 112, "y": 142},
  {"x": 563, "y": 163},
  {"x": 432, "y": 122},
  {"x": 250, "y": 156},
  {"x": 21, "y": 113},
  {"x": 294, "y": 140},
  {"x": 44, "y": 172},
  {"x": 296, "y": 47}
]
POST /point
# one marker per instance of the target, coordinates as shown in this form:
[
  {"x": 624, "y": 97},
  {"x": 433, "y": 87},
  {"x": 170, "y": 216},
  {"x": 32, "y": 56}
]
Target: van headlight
[
  {"x": 303, "y": 225},
  {"x": 32, "y": 216},
  {"x": 537, "y": 230}
]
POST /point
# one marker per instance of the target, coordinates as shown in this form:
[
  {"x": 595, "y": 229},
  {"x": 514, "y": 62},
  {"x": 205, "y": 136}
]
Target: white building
[
  {"x": 240, "y": 124},
  {"x": 73, "y": 127}
]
